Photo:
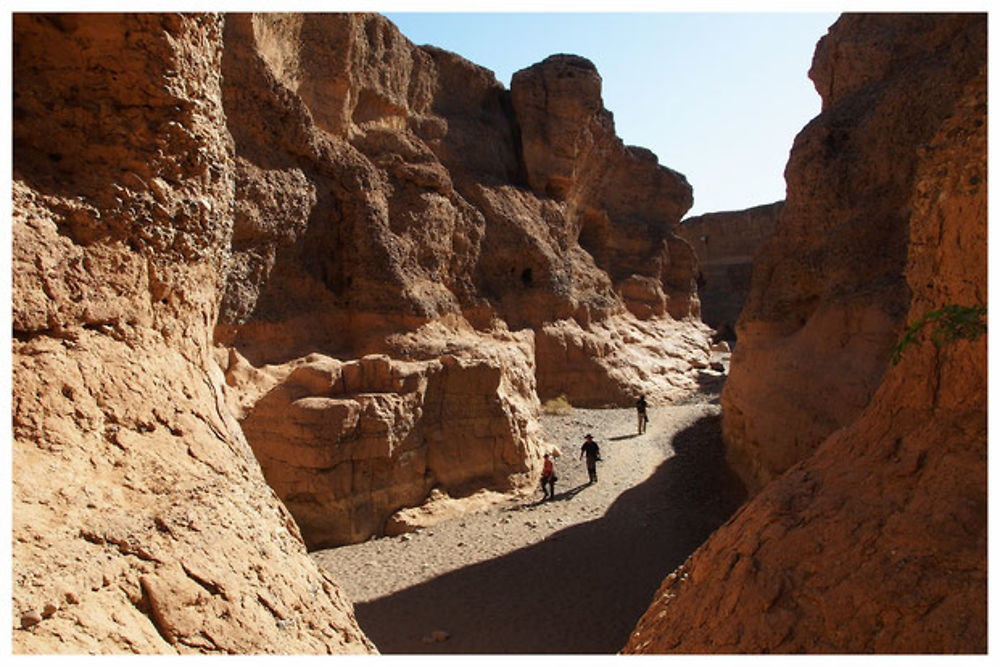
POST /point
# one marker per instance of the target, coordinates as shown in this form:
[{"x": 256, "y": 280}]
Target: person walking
[
  {"x": 549, "y": 478},
  {"x": 640, "y": 408},
  {"x": 591, "y": 450}
]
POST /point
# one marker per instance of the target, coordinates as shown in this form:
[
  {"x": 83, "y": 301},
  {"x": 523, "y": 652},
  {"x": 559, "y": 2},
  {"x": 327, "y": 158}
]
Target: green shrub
[{"x": 951, "y": 323}]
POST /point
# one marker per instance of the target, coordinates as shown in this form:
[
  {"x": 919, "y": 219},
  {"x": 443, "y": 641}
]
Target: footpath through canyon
[
  {"x": 291, "y": 293},
  {"x": 570, "y": 575}
]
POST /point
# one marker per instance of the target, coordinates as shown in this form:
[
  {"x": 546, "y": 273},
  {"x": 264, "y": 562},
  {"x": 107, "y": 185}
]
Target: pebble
[
  {"x": 31, "y": 618},
  {"x": 436, "y": 636}
]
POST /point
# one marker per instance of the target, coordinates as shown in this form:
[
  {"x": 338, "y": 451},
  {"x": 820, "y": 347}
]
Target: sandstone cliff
[
  {"x": 876, "y": 542},
  {"x": 725, "y": 244},
  {"x": 301, "y": 250},
  {"x": 829, "y": 297},
  {"x": 140, "y": 519},
  {"x": 407, "y": 277}
]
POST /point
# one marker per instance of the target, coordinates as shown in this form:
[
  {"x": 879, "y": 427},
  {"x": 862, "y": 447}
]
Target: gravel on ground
[{"x": 567, "y": 575}]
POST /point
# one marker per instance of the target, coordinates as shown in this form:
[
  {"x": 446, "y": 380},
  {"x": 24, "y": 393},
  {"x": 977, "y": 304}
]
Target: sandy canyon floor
[{"x": 569, "y": 575}]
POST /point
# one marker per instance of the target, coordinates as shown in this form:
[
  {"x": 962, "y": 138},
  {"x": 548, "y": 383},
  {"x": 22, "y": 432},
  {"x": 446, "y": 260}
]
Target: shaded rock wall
[
  {"x": 725, "y": 244},
  {"x": 140, "y": 519},
  {"x": 829, "y": 297},
  {"x": 876, "y": 542}
]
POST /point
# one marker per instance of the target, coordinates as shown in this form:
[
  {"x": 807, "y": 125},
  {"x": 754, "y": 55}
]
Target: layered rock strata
[
  {"x": 876, "y": 543},
  {"x": 304, "y": 240},
  {"x": 725, "y": 244},
  {"x": 390, "y": 201},
  {"x": 828, "y": 297},
  {"x": 140, "y": 519}
]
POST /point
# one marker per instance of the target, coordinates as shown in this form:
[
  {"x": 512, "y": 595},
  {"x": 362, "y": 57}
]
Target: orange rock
[{"x": 876, "y": 541}]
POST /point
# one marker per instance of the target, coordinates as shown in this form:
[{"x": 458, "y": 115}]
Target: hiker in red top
[{"x": 549, "y": 477}]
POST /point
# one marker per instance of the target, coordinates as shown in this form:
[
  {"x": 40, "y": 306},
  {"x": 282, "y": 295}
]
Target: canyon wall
[
  {"x": 828, "y": 297},
  {"x": 725, "y": 244},
  {"x": 397, "y": 203},
  {"x": 276, "y": 277},
  {"x": 875, "y": 543},
  {"x": 140, "y": 520}
]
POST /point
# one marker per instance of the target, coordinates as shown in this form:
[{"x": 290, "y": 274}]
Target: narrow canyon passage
[{"x": 571, "y": 575}]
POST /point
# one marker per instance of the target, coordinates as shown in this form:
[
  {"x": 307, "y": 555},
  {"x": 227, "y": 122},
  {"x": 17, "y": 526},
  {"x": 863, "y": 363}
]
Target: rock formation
[
  {"x": 140, "y": 519},
  {"x": 829, "y": 297},
  {"x": 877, "y": 541},
  {"x": 725, "y": 244},
  {"x": 382, "y": 219},
  {"x": 303, "y": 240}
]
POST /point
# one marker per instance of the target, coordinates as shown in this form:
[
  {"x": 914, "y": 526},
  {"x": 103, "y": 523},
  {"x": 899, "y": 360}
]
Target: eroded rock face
[
  {"x": 829, "y": 298},
  {"x": 725, "y": 244},
  {"x": 299, "y": 237},
  {"x": 877, "y": 542},
  {"x": 381, "y": 209},
  {"x": 140, "y": 519},
  {"x": 358, "y": 440}
]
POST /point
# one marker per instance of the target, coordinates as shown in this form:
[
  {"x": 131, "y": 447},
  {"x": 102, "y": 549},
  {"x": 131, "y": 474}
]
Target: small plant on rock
[{"x": 950, "y": 323}]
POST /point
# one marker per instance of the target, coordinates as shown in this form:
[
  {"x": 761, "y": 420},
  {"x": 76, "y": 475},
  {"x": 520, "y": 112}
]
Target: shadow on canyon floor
[{"x": 583, "y": 589}]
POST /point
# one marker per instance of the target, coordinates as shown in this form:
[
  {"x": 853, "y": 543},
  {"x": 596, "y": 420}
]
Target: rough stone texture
[
  {"x": 621, "y": 204},
  {"x": 299, "y": 237},
  {"x": 381, "y": 210},
  {"x": 358, "y": 440},
  {"x": 877, "y": 542},
  {"x": 828, "y": 297},
  {"x": 725, "y": 244},
  {"x": 140, "y": 519}
]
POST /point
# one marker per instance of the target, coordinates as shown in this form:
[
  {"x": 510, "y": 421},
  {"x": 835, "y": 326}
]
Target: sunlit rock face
[
  {"x": 874, "y": 539},
  {"x": 281, "y": 273},
  {"x": 140, "y": 519},
  {"x": 387, "y": 204}
]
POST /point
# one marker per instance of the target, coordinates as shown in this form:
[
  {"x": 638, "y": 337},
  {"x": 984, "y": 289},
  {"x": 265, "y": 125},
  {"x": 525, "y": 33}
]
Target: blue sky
[{"x": 718, "y": 97}]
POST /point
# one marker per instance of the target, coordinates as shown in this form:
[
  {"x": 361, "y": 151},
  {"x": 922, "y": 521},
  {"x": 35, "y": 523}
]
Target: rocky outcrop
[
  {"x": 303, "y": 240},
  {"x": 354, "y": 439},
  {"x": 829, "y": 298},
  {"x": 876, "y": 543},
  {"x": 381, "y": 209},
  {"x": 725, "y": 244},
  {"x": 140, "y": 519}
]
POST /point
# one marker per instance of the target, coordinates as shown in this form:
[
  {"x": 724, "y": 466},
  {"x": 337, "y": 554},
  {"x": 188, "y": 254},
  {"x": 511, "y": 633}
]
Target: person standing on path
[
  {"x": 640, "y": 408},
  {"x": 593, "y": 454},
  {"x": 549, "y": 477}
]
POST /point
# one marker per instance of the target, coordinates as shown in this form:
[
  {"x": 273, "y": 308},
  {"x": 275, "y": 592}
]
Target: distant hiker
[
  {"x": 549, "y": 477},
  {"x": 593, "y": 454},
  {"x": 640, "y": 408}
]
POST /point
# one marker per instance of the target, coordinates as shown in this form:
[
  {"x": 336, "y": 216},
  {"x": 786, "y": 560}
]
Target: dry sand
[{"x": 570, "y": 575}]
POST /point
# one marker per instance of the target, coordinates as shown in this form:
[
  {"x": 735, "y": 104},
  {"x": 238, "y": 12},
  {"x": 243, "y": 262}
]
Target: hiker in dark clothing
[
  {"x": 640, "y": 407},
  {"x": 593, "y": 454}
]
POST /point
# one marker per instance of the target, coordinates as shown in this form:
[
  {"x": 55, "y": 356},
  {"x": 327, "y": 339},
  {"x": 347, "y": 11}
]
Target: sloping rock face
[
  {"x": 140, "y": 519},
  {"x": 877, "y": 542},
  {"x": 388, "y": 205},
  {"x": 303, "y": 240},
  {"x": 829, "y": 297},
  {"x": 725, "y": 244}
]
